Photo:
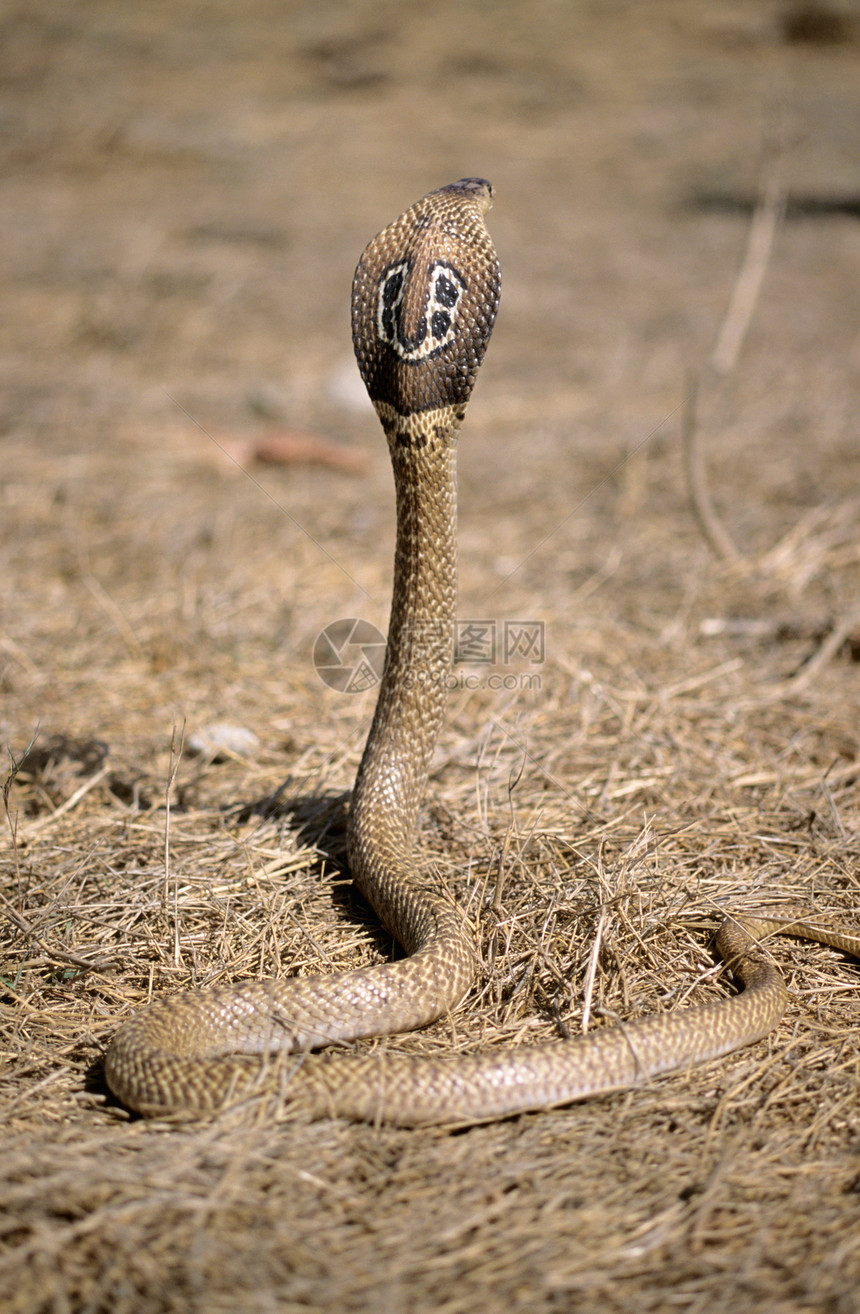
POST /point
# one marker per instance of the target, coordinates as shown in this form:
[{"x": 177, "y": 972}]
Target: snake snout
[{"x": 479, "y": 188}]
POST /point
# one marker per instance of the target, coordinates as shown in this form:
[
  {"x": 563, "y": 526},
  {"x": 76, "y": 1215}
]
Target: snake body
[{"x": 424, "y": 302}]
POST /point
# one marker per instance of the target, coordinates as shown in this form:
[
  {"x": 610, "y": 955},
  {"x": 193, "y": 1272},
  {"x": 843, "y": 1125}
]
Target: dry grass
[{"x": 693, "y": 745}]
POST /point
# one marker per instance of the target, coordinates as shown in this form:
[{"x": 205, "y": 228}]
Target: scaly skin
[{"x": 424, "y": 302}]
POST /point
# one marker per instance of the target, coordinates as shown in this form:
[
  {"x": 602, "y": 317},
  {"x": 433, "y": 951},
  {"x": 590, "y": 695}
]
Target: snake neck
[{"x": 393, "y": 773}]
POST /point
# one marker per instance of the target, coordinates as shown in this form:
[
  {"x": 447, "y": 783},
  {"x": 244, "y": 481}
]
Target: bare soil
[{"x": 186, "y": 190}]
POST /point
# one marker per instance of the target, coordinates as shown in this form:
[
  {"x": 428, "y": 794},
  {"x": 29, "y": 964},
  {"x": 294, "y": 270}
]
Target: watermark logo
[
  {"x": 349, "y": 655},
  {"x": 499, "y": 643}
]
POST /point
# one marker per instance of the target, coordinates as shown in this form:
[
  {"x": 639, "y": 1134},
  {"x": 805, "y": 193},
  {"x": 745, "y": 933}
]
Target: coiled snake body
[{"x": 424, "y": 302}]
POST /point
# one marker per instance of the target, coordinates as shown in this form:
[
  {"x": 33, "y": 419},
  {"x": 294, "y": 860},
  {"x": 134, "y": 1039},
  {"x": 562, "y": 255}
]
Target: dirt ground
[{"x": 186, "y": 190}]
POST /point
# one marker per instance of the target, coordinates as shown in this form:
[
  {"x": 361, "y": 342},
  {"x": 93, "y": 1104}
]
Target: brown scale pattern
[{"x": 424, "y": 301}]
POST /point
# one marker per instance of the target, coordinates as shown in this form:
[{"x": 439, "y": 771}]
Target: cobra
[{"x": 424, "y": 302}]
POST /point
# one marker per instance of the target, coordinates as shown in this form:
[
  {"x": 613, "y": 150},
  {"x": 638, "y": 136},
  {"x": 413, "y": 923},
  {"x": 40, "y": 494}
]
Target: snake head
[
  {"x": 424, "y": 301},
  {"x": 478, "y": 189}
]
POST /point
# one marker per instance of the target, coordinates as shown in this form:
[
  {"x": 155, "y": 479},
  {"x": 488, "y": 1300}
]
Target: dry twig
[
  {"x": 715, "y": 534},
  {"x": 724, "y": 356},
  {"x": 771, "y": 204}
]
